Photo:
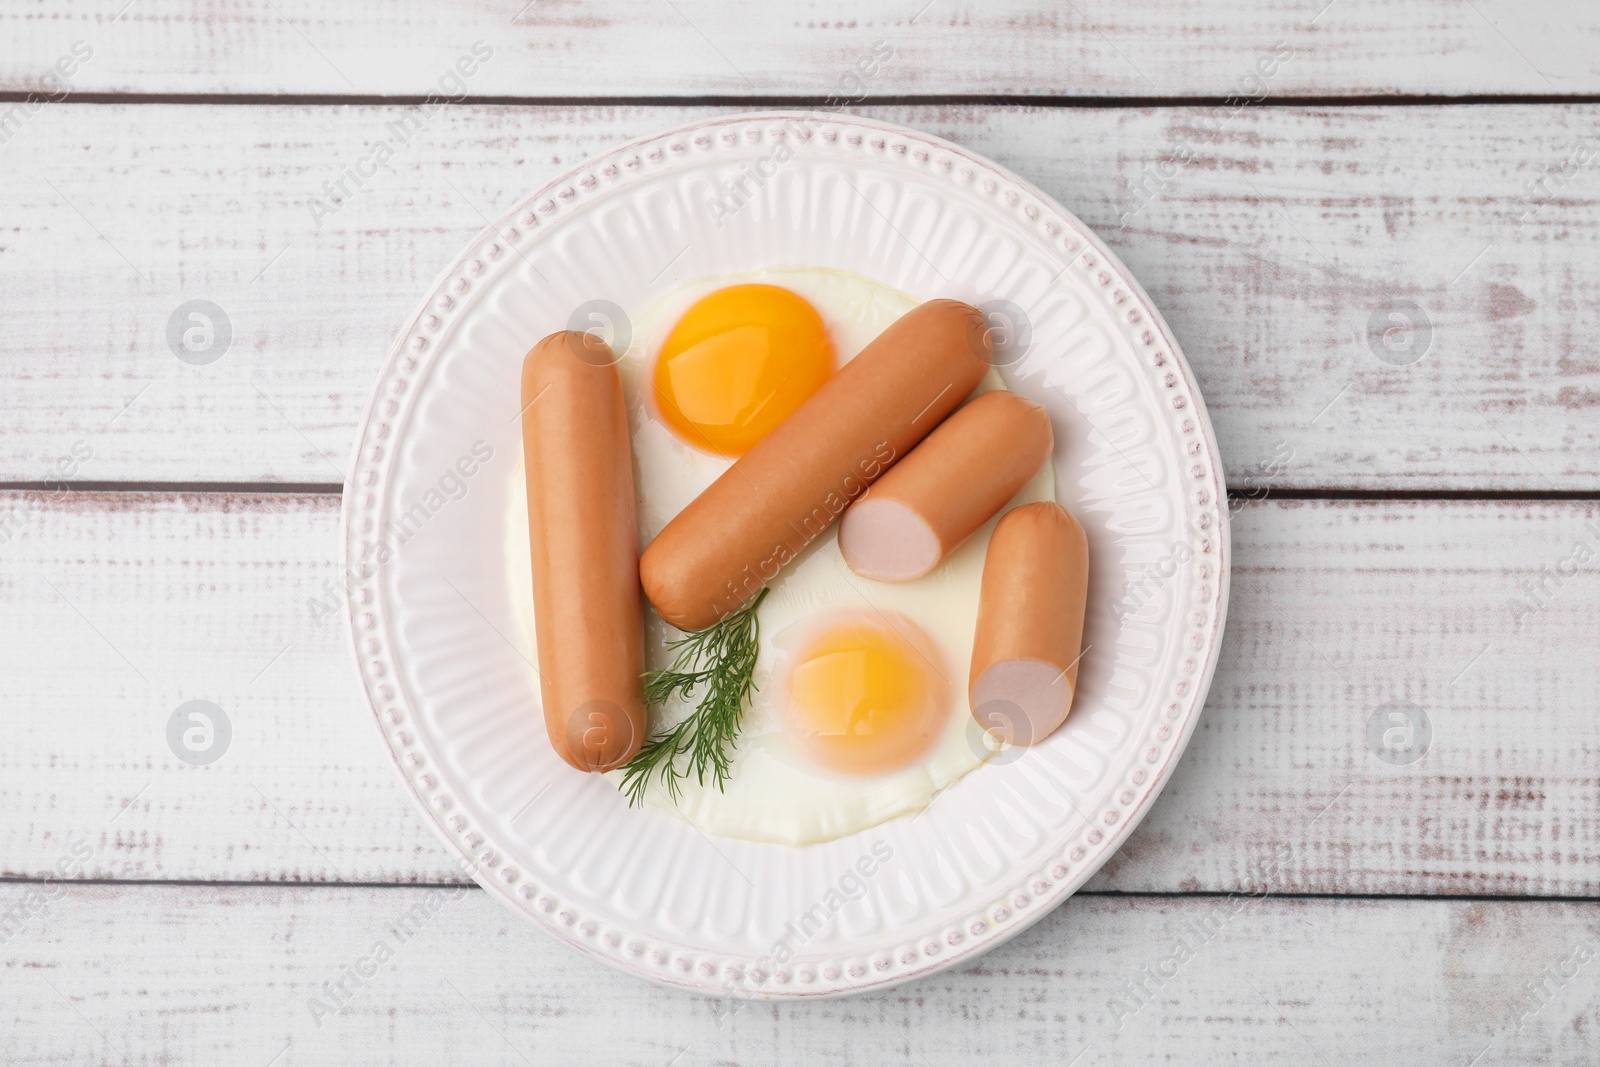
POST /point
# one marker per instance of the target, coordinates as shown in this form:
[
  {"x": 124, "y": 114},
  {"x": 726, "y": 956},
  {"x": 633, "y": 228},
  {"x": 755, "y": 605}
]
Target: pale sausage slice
[
  {"x": 778, "y": 497},
  {"x": 1030, "y": 623},
  {"x": 585, "y": 544},
  {"x": 950, "y": 484}
]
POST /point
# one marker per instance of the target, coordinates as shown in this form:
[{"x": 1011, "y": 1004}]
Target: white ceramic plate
[{"x": 446, "y": 668}]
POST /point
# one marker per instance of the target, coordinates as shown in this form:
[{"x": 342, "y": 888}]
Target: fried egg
[
  {"x": 737, "y": 363},
  {"x": 860, "y": 709}
]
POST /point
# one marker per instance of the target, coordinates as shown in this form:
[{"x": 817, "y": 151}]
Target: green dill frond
[{"x": 719, "y": 663}]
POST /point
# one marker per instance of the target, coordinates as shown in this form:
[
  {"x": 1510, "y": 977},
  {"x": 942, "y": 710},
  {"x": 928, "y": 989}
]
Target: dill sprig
[{"x": 719, "y": 662}]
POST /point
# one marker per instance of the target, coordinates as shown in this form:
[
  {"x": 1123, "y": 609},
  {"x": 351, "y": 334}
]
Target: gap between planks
[
  {"x": 1108, "y": 894},
  {"x": 820, "y": 103},
  {"x": 1273, "y": 336},
  {"x": 1238, "y": 496},
  {"x": 1283, "y": 741}
]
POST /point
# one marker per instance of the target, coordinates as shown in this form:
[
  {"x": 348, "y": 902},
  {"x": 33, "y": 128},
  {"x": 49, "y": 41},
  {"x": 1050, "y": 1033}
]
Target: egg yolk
[
  {"x": 865, "y": 696},
  {"x": 738, "y": 363}
]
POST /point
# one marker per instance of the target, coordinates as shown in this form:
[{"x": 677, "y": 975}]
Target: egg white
[{"x": 774, "y": 792}]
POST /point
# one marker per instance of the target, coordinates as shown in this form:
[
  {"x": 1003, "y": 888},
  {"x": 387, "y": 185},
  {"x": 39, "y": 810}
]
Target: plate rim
[{"x": 544, "y": 199}]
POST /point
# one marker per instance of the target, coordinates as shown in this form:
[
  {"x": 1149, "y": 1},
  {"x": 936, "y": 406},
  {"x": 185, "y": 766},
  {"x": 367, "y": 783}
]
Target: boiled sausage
[
  {"x": 1030, "y": 623},
  {"x": 585, "y": 544},
  {"x": 951, "y": 484},
  {"x": 778, "y": 497}
]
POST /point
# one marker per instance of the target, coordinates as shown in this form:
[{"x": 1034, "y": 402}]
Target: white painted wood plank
[
  {"x": 1269, "y": 254},
  {"x": 180, "y": 975},
  {"x": 1343, "y": 612},
  {"x": 119, "y": 607},
  {"x": 701, "y": 47},
  {"x": 125, "y": 606}
]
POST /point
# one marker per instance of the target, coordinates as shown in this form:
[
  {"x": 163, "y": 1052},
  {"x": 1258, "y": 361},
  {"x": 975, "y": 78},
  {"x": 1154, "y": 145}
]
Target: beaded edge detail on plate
[{"x": 1027, "y": 899}]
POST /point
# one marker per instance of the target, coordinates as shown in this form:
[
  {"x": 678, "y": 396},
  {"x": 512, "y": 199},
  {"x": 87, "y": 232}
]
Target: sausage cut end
[
  {"x": 734, "y": 538},
  {"x": 1029, "y": 637},
  {"x": 952, "y": 483},
  {"x": 1021, "y": 701},
  {"x": 888, "y": 542}
]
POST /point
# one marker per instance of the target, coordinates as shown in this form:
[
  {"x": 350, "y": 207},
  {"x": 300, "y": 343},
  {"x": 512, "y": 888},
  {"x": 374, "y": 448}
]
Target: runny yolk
[
  {"x": 864, "y": 696},
  {"x": 738, "y": 363}
]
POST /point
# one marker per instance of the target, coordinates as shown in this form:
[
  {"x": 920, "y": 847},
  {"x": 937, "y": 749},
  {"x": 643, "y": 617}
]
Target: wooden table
[{"x": 1373, "y": 226}]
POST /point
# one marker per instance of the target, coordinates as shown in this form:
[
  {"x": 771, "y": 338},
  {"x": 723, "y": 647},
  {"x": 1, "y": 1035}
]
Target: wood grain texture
[
  {"x": 1342, "y": 611},
  {"x": 123, "y": 606},
  {"x": 1269, "y": 254},
  {"x": 128, "y": 605},
  {"x": 180, "y": 975},
  {"x": 1273, "y": 251},
  {"x": 1091, "y": 48}
]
